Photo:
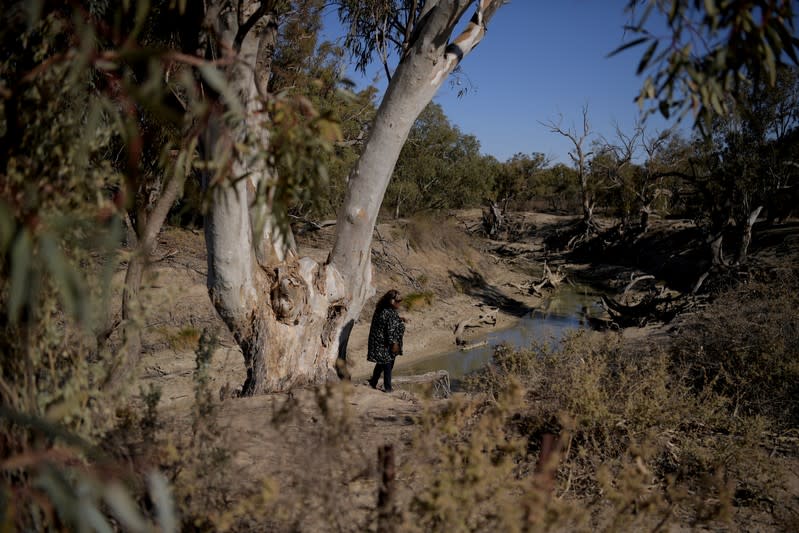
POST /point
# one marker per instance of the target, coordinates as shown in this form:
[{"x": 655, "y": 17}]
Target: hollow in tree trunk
[{"x": 292, "y": 317}]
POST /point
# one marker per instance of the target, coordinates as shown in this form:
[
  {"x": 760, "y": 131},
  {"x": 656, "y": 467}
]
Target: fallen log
[
  {"x": 632, "y": 283},
  {"x": 629, "y": 314},
  {"x": 460, "y": 328},
  {"x": 487, "y": 317},
  {"x": 549, "y": 278},
  {"x": 437, "y": 382},
  {"x": 467, "y": 347},
  {"x": 659, "y": 308}
]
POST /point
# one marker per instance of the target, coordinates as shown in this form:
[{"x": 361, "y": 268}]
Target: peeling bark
[{"x": 292, "y": 317}]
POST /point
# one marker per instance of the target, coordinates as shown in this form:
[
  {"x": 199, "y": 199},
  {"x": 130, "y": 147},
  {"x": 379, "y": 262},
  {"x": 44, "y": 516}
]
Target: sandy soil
[
  {"x": 456, "y": 281},
  {"x": 454, "y": 277}
]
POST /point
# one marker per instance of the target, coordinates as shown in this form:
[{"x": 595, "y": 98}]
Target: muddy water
[{"x": 559, "y": 313}]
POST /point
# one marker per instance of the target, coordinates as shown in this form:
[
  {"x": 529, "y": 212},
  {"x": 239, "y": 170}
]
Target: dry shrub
[
  {"x": 640, "y": 447},
  {"x": 472, "y": 471},
  {"x": 435, "y": 231},
  {"x": 329, "y": 474},
  {"x": 417, "y": 300},
  {"x": 194, "y": 454},
  {"x": 745, "y": 346},
  {"x": 179, "y": 339}
]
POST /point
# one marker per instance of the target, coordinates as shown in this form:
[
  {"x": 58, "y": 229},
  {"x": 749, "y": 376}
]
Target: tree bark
[
  {"x": 293, "y": 317},
  {"x": 716, "y": 251},
  {"x": 645, "y": 211},
  {"x": 277, "y": 306},
  {"x": 147, "y": 233},
  {"x": 746, "y": 235}
]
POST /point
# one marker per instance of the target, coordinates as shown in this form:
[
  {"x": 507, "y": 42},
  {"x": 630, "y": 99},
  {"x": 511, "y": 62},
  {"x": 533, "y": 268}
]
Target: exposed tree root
[
  {"x": 653, "y": 307},
  {"x": 487, "y": 316}
]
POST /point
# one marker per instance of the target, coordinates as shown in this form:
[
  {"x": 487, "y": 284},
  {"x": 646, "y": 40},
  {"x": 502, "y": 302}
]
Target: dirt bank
[{"x": 446, "y": 273}]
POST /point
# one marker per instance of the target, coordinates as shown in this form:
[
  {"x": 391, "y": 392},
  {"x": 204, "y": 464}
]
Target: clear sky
[{"x": 540, "y": 61}]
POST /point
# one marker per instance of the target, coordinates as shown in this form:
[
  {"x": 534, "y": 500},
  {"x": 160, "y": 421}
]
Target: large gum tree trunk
[
  {"x": 292, "y": 317},
  {"x": 275, "y": 305}
]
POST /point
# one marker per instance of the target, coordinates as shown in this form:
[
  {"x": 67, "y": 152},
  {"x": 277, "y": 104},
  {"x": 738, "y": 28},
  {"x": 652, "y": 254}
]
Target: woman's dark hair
[{"x": 385, "y": 300}]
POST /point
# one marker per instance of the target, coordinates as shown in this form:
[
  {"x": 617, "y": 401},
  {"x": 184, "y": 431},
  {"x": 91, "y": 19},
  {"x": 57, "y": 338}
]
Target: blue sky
[{"x": 538, "y": 62}]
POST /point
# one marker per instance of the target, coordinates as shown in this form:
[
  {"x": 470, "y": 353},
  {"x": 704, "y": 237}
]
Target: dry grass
[
  {"x": 652, "y": 438},
  {"x": 640, "y": 442},
  {"x": 418, "y": 300},
  {"x": 745, "y": 346},
  {"x": 700, "y": 434}
]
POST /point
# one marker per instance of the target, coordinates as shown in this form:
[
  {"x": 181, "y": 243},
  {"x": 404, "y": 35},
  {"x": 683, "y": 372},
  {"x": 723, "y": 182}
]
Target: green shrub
[{"x": 416, "y": 300}]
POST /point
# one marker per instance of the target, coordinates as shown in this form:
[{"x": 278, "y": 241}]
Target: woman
[{"x": 385, "y": 338}]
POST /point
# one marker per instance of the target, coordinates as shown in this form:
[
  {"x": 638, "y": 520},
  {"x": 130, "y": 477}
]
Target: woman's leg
[
  {"x": 387, "y": 368},
  {"x": 375, "y": 375}
]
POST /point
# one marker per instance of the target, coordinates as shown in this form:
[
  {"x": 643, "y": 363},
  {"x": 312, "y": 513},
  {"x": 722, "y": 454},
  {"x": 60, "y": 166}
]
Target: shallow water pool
[{"x": 562, "y": 311}]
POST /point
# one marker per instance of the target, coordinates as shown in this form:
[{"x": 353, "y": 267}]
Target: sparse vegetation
[
  {"x": 182, "y": 338},
  {"x": 108, "y": 121},
  {"x": 641, "y": 442},
  {"x": 416, "y": 300}
]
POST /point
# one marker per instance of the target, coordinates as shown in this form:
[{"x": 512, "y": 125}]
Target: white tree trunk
[
  {"x": 292, "y": 317},
  {"x": 746, "y": 234},
  {"x": 427, "y": 63}
]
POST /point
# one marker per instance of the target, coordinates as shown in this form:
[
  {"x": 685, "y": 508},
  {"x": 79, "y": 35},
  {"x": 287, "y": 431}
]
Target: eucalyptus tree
[
  {"x": 748, "y": 161},
  {"x": 514, "y": 183},
  {"x": 655, "y": 179},
  {"x": 633, "y": 187},
  {"x": 557, "y": 188},
  {"x": 260, "y": 150},
  {"x": 438, "y": 168},
  {"x": 580, "y": 155},
  {"x": 292, "y": 316}
]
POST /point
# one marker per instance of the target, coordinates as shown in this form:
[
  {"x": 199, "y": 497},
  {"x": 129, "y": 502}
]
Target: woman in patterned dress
[{"x": 385, "y": 338}]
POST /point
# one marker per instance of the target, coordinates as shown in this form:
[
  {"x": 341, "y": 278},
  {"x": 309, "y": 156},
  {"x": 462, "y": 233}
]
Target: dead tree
[
  {"x": 493, "y": 220},
  {"x": 579, "y": 157},
  {"x": 548, "y": 279}
]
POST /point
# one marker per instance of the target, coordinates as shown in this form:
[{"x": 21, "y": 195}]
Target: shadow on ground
[{"x": 475, "y": 285}]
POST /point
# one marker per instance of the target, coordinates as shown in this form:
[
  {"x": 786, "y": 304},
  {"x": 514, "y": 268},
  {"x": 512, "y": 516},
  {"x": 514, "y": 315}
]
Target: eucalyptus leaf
[
  {"x": 627, "y": 45},
  {"x": 61, "y": 493},
  {"x": 7, "y": 227},
  {"x": 59, "y": 269},
  {"x": 216, "y": 80},
  {"x": 34, "y": 9},
  {"x": 161, "y": 495},
  {"x": 124, "y": 508},
  {"x": 711, "y": 9},
  {"x": 91, "y": 518},
  {"x": 646, "y": 57}
]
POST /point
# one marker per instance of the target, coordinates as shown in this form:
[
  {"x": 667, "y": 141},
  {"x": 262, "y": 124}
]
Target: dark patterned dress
[{"x": 386, "y": 329}]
